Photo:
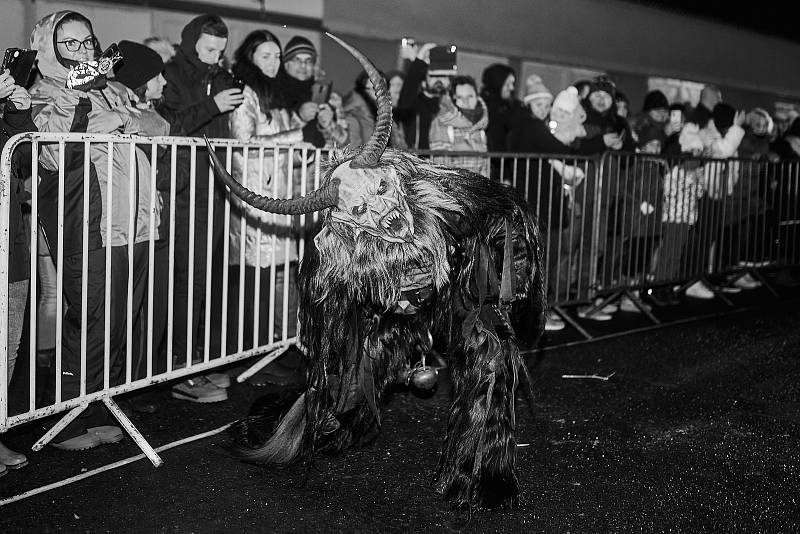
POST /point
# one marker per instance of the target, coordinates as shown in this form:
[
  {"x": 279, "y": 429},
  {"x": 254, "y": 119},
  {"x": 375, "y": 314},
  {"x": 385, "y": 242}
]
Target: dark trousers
[
  {"x": 181, "y": 321},
  {"x": 248, "y": 320},
  {"x": 96, "y": 414},
  {"x": 119, "y": 313}
]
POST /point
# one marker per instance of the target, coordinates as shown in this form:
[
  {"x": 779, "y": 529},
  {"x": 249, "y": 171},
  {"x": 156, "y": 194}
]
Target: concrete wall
[{"x": 607, "y": 35}]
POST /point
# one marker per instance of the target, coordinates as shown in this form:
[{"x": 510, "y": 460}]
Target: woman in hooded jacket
[{"x": 64, "y": 40}]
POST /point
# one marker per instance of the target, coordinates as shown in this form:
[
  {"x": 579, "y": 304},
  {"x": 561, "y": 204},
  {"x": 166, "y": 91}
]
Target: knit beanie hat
[
  {"x": 139, "y": 64},
  {"x": 603, "y": 83},
  {"x": 655, "y": 100},
  {"x": 535, "y": 88},
  {"x": 299, "y": 45},
  {"x": 763, "y": 113},
  {"x": 689, "y": 139},
  {"x": 723, "y": 115},
  {"x": 567, "y": 109}
]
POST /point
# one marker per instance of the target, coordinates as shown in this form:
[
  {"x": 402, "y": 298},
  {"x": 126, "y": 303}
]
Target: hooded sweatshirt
[
  {"x": 57, "y": 109},
  {"x": 188, "y": 103}
]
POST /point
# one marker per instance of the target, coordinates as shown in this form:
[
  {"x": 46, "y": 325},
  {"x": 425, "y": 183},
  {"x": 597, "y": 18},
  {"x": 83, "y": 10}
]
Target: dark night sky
[{"x": 767, "y": 19}]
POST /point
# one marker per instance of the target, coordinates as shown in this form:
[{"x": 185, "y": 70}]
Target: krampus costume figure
[{"x": 408, "y": 252}]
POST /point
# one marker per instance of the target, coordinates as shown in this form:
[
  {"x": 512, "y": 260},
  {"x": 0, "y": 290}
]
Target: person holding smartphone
[{"x": 15, "y": 118}]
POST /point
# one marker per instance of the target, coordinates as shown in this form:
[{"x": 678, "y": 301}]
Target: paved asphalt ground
[{"x": 697, "y": 430}]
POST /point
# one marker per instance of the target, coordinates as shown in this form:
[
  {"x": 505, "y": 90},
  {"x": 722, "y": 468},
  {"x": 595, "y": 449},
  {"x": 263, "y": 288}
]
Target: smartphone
[
  {"x": 110, "y": 57},
  {"x": 321, "y": 92},
  {"x": 407, "y": 41},
  {"x": 238, "y": 83},
  {"x": 443, "y": 60},
  {"x": 19, "y": 63}
]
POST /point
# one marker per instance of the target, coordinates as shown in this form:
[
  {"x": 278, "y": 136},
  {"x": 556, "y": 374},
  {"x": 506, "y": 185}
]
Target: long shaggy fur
[{"x": 357, "y": 348}]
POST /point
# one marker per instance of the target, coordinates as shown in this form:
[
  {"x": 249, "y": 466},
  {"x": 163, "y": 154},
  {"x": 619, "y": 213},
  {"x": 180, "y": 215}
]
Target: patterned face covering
[{"x": 372, "y": 200}]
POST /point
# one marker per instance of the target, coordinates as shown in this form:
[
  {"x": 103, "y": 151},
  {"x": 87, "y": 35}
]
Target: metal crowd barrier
[
  {"x": 135, "y": 359},
  {"x": 664, "y": 222},
  {"x": 609, "y": 226}
]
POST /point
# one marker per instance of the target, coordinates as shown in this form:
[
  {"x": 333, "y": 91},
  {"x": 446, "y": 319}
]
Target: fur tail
[{"x": 285, "y": 444}]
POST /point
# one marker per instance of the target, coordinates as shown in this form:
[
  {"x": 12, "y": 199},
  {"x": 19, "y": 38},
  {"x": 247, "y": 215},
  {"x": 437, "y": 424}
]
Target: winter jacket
[
  {"x": 359, "y": 118},
  {"x": 683, "y": 186},
  {"x": 640, "y": 199},
  {"x": 12, "y": 123},
  {"x": 452, "y": 131},
  {"x": 57, "y": 109},
  {"x": 543, "y": 182},
  {"x": 598, "y": 124},
  {"x": 721, "y": 178},
  {"x": 249, "y": 123}
]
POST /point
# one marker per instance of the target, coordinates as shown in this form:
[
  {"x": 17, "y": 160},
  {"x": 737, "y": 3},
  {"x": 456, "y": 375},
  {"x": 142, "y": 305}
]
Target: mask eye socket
[
  {"x": 382, "y": 188},
  {"x": 358, "y": 211}
]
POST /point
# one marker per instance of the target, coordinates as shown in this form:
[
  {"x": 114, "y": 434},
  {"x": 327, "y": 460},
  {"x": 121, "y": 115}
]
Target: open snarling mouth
[{"x": 394, "y": 224}]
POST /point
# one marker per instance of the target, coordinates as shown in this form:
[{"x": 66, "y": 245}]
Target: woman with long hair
[{"x": 259, "y": 243}]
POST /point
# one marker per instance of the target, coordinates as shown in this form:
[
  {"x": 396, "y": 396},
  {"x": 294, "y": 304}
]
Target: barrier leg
[
  {"x": 764, "y": 282},
  {"x": 263, "y": 362},
  {"x": 58, "y": 427},
  {"x": 133, "y": 431},
  {"x": 564, "y": 315},
  {"x": 637, "y": 301}
]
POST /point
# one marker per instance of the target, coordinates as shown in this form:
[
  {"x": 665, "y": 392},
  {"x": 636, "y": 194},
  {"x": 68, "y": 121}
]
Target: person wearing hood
[
  {"x": 605, "y": 129},
  {"x": 460, "y": 125},
  {"x": 64, "y": 40},
  {"x": 198, "y": 99},
  {"x": 497, "y": 90}
]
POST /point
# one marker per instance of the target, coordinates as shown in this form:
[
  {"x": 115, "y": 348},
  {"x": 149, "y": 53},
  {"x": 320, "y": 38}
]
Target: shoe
[
  {"x": 663, "y": 297},
  {"x": 627, "y": 305},
  {"x": 199, "y": 389},
  {"x": 221, "y": 380},
  {"x": 3, "y": 470},
  {"x": 729, "y": 289},
  {"x": 78, "y": 443},
  {"x": 698, "y": 290},
  {"x": 747, "y": 282},
  {"x": 12, "y": 459},
  {"x": 608, "y": 308},
  {"x": 553, "y": 322},
  {"x": 598, "y": 315},
  {"x": 107, "y": 433}
]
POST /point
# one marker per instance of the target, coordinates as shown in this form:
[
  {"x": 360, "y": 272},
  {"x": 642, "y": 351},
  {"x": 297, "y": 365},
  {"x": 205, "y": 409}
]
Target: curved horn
[
  {"x": 319, "y": 199},
  {"x": 371, "y": 153}
]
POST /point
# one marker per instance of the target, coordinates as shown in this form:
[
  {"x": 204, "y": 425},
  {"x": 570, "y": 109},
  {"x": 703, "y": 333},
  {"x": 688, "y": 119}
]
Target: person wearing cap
[
  {"x": 295, "y": 83},
  {"x": 538, "y": 97},
  {"x": 141, "y": 71},
  {"x": 654, "y": 114},
  {"x": 545, "y": 180},
  {"x": 418, "y": 102},
  {"x": 605, "y": 130}
]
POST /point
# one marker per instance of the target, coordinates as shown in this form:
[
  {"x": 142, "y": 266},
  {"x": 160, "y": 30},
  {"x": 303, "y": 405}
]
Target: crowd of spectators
[{"x": 276, "y": 94}]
